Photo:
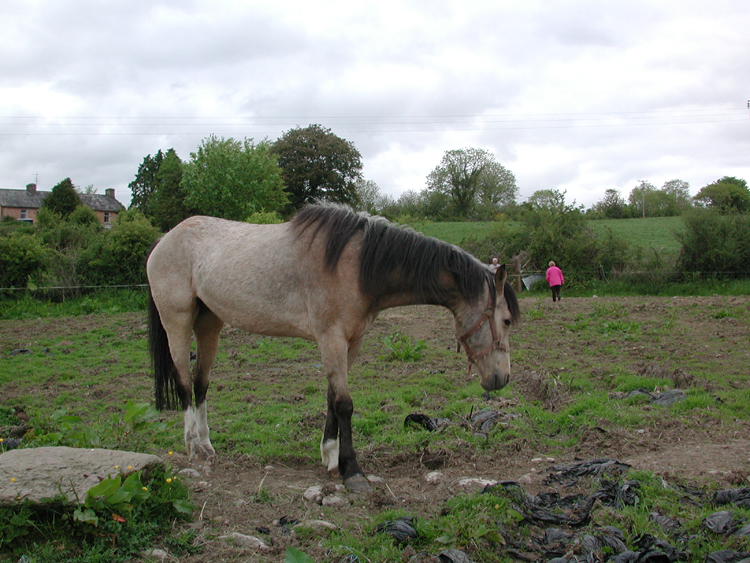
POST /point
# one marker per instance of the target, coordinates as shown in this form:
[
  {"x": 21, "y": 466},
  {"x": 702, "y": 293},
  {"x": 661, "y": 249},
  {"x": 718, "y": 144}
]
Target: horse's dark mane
[{"x": 392, "y": 254}]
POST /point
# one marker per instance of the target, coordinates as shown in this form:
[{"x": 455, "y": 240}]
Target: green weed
[{"x": 402, "y": 348}]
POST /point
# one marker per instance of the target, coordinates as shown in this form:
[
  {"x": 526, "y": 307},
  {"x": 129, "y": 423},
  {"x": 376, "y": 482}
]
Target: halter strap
[{"x": 487, "y": 315}]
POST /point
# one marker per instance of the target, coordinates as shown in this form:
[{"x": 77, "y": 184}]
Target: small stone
[
  {"x": 316, "y": 524},
  {"x": 433, "y": 477},
  {"x": 475, "y": 482},
  {"x": 375, "y": 479},
  {"x": 190, "y": 472},
  {"x": 159, "y": 554},
  {"x": 249, "y": 542},
  {"x": 314, "y": 493},
  {"x": 335, "y": 501}
]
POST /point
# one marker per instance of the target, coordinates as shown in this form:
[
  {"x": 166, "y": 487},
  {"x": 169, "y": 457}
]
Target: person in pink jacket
[{"x": 555, "y": 279}]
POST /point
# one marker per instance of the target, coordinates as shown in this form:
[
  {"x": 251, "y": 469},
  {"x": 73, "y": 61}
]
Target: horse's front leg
[{"x": 336, "y": 447}]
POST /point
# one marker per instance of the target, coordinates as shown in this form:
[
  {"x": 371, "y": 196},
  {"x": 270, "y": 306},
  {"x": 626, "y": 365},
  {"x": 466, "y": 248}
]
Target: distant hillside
[{"x": 651, "y": 232}]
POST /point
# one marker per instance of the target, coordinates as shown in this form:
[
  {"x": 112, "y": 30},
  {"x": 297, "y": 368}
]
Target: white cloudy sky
[{"x": 576, "y": 95}]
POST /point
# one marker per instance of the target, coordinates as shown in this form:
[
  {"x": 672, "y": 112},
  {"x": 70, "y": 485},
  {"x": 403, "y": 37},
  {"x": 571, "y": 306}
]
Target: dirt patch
[{"x": 236, "y": 494}]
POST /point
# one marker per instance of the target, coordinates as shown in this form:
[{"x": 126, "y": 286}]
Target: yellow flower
[
  {"x": 170, "y": 453},
  {"x": 144, "y": 488},
  {"x": 117, "y": 467},
  {"x": 12, "y": 479},
  {"x": 1, "y": 440},
  {"x": 130, "y": 467},
  {"x": 169, "y": 479}
]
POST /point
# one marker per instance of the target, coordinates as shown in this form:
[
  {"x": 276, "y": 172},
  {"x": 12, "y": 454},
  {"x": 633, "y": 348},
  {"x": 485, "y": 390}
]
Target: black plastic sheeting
[{"x": 560, "y": 529}]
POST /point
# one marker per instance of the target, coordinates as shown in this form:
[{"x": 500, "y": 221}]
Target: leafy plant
[{"x": 402, "y": 348}]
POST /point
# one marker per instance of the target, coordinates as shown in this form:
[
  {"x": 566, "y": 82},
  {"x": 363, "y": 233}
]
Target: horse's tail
[{"x": 165, "y": 372}]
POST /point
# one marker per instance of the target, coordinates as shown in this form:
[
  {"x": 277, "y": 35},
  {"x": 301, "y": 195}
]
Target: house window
[
  {"x": 24, "y": 213},
  {"x": 106, "y": 217}
]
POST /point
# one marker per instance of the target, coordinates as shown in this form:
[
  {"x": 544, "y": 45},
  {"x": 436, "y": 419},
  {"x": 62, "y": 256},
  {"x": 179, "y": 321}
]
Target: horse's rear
[{"x": 266, "y": 279}]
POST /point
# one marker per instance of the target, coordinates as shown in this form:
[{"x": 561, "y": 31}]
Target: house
[{"x": 24, "y": 204}]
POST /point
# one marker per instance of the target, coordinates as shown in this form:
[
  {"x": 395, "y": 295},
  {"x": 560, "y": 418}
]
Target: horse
[{"x": 323, "y": 276}]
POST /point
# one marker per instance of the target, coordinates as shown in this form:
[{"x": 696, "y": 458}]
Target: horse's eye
[{"x": 507, "y": 322}]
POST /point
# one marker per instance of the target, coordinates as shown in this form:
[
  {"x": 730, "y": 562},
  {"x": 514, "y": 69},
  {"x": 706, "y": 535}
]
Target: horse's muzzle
[{"x": 495, "y": 381}]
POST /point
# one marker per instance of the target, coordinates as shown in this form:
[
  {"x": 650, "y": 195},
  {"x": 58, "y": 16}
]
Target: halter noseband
[{"x": 487, "y": 315}]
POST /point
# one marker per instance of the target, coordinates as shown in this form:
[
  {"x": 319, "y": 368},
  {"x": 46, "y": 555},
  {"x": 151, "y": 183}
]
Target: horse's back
[{"x": 263, "y": 278}]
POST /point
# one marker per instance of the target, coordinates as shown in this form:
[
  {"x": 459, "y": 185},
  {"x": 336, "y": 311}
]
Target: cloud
[{"x": 576, "y": 95}]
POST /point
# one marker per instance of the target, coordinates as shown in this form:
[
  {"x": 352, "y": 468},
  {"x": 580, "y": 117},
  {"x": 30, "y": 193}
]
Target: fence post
[{"x": 517, "y": 269}]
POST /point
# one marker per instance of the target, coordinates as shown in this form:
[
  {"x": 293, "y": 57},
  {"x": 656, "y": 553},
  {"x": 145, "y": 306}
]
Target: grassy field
[
  {"x": 651, "y": 232},
  {"x": 576, "y": 366}
]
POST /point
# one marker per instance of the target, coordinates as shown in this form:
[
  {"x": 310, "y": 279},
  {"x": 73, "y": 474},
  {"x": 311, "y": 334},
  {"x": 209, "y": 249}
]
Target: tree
[
  {"x": 369, "y": 198},
  {"x": 318, "y": 165},
  {"x": 497, "y": 189},
  {"x": 725, "y": 194},
  {"x": 167, "y": 204},
  {"x": 642, "y": 200},
  {"x": 63, "y": 199},
  {"x": 233, "y": 179},
  {"x": 142, "y": 188},
  {"x": 470, "y": 175},
  {"x": 612, "y": 206},
  {"x": 680, "y": 191}
]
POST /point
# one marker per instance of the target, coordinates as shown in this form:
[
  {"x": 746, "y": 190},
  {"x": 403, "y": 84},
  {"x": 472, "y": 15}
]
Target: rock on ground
[{"x": 36, "y": 474}]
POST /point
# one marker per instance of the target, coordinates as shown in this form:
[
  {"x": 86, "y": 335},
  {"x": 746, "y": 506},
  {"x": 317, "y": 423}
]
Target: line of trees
[
  {"x": 267, "y": 181},
  {"x": 727, "y": 194}
]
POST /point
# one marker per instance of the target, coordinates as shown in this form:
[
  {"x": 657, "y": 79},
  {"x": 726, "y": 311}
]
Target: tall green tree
[
  {"x": 63, "y": 199},
  {"x": 642, "y": 200},
  {"x": 612, "y": 206},
  {"x": 679, "y": 190},
  {"x": 470, "y": 176},
  {"x": 167, "y": 204},
  {"x": 497, "y": 189},
  {"x": 233, "y": 179},
  {"x": 143, "y": 186},
  {"x": 725, "y": 194},
  {"x": 318, "y": 165}
]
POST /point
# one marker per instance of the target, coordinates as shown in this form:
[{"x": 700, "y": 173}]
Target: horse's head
[{"x": 484, "y": 329}]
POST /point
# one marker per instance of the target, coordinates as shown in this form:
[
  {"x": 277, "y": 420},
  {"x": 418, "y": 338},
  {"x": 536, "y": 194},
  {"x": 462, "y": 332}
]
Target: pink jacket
[{"x": 555, "y": 276}]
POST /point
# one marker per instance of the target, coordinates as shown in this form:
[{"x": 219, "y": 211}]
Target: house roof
[{"x": 27, "y": 200}]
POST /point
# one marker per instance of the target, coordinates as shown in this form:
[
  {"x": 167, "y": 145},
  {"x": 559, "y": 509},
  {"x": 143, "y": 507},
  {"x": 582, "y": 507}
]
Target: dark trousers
[{"x": 555, "y": 292}]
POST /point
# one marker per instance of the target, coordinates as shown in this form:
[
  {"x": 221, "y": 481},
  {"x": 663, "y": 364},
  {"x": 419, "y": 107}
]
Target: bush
[
  {"x": 119, "y": 258},
  {"x": 22, "y": 257},
  {"x": 715, "y": 245}
]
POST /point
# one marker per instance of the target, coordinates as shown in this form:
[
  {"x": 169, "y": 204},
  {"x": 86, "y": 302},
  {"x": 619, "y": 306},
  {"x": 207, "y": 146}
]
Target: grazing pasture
[{"x": 575, "y": 366}]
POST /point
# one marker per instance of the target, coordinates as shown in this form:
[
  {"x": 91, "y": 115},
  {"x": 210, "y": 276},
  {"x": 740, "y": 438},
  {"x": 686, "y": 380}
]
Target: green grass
[
  {"x": 85, "y": 374},
  {"x": 650, "y": 232},
  {"x": 454, "y": 232}
]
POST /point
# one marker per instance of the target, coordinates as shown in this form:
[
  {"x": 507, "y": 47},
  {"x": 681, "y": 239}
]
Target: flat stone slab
[{"x": 36, "y": 474}]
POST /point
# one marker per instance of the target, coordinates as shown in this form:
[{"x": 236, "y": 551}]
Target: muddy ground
[{"x": 226, "y": 492}]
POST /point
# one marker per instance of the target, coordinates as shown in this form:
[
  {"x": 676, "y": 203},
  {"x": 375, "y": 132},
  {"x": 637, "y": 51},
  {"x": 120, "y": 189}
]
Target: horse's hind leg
[{"x": 207, "y": 327}]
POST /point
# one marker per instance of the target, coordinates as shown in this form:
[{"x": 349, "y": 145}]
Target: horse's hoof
[
  {"x": 202, "y": 456},
  {"x": 357, "y": 484}
]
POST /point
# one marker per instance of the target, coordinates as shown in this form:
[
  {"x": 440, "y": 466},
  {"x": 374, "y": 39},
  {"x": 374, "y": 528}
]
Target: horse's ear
[{"x": 500, "y": 277}]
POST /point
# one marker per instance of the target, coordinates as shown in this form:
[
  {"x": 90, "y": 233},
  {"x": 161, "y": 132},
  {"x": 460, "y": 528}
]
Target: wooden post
[{"x": 517, "y": 267}]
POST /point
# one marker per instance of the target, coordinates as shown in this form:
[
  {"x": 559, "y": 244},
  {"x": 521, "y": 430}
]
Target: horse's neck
[{"x": 402, "y": 298}]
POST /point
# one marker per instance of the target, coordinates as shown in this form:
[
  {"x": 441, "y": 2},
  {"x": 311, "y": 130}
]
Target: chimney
[
  {"x": 31, "y": 188},
  {"x": 110, "y": 192}
]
